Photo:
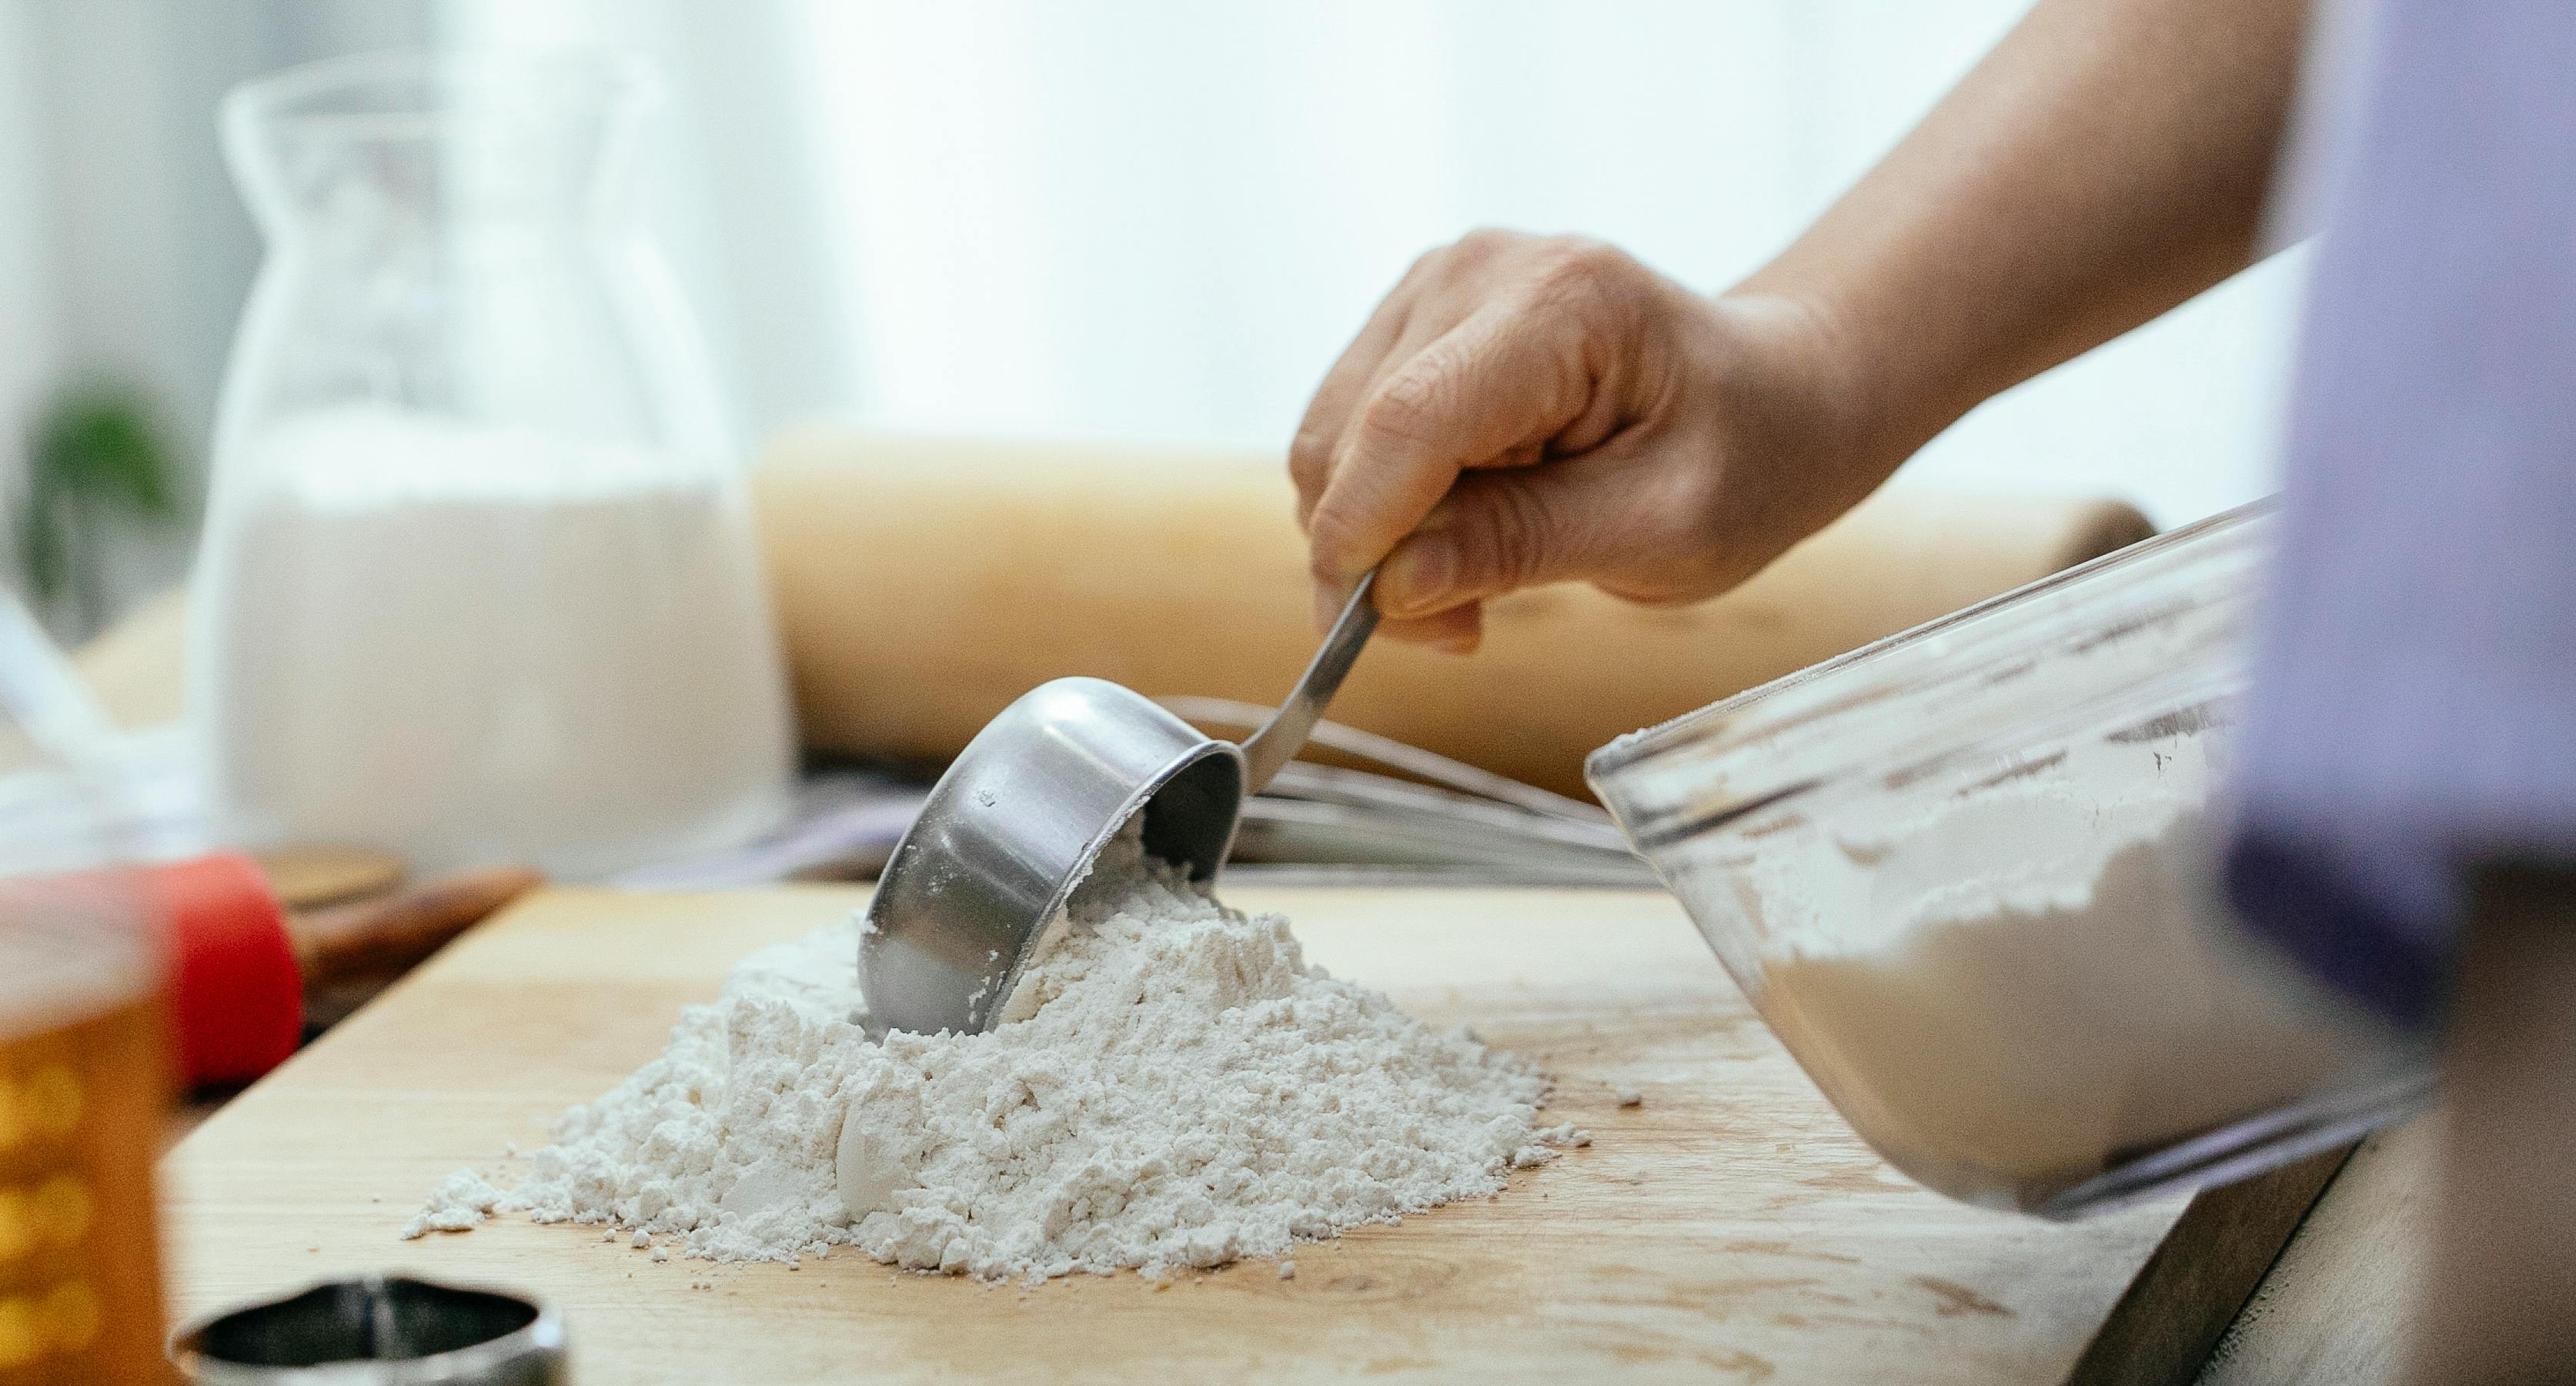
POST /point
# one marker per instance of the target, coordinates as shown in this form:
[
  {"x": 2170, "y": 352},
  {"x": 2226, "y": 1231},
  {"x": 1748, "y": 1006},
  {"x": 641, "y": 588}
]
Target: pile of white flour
[{"x": 1186, "y": 1092}]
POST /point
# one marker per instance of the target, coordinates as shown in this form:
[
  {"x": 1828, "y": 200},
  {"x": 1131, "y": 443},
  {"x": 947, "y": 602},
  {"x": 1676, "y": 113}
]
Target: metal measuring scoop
[{"x": 1014, "y": 825}]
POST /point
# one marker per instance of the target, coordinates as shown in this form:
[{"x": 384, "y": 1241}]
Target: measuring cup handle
[{"x": 1284, "y": 734}]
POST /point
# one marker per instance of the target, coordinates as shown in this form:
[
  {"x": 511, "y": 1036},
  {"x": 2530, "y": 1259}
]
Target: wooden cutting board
[{"x": 1730, "y": 1228}]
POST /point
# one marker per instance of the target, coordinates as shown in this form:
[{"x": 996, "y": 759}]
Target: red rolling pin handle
[{"x": 236, "y": 995}]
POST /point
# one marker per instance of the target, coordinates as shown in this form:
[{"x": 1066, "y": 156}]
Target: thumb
[{"x": 1495, "y": 532}]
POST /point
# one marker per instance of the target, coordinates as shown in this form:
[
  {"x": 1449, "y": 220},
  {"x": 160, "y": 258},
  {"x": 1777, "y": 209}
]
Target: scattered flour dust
[
  {"x": 460, "y": 1201},
  {"x": 1187, "y": 1091}
]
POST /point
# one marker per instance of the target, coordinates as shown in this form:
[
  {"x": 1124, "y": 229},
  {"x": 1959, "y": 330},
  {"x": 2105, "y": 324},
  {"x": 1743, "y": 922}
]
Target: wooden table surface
[
  {"x": 2333, "y": 1310},
  {"x": 1730, "y": 1228}
]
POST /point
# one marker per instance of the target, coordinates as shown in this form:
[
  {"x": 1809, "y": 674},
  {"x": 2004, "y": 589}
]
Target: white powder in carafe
[
  {"x": 1186, "y": 1091},
  {"x": 470, "y": 644}
]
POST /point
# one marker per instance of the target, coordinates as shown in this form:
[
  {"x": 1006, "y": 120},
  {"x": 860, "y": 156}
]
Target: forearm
[
  {"x": 2499, "y": 1275},
  {"x": 2107, "y": 161}
]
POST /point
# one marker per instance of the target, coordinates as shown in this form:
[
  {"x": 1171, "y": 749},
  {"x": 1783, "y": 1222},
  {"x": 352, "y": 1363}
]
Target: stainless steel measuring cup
[{"x": 1016, "y": 822}]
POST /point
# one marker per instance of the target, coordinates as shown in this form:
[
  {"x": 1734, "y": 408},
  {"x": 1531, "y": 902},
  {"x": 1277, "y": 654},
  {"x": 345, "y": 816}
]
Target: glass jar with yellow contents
[
  {"x": 81, "y": 1082},
  {"x": 84, "y": 1067}
]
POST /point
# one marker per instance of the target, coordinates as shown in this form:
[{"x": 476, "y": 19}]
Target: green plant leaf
[
  {"x": 40, "y": 544},
  {"x": 95, "y": 450},
  {"x": 98, "y": 442}
]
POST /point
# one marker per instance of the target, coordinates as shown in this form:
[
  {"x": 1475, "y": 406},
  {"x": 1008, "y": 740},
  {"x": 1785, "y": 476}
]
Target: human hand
[{"x": 1523, "y": 410}]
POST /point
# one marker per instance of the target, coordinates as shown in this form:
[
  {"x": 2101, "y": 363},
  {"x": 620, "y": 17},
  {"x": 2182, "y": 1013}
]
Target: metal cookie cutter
[{"x": 379, "y": 1330}]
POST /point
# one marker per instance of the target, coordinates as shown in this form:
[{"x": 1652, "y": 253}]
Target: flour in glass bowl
[
  {"x": 2025, "y": 982},
  {"x": 1182, "y": 1090}
]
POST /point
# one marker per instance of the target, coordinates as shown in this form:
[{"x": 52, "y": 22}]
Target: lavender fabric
[{"x": 2414, "y": 710}]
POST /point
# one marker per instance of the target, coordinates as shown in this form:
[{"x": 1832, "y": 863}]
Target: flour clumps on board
[
  {"x": 460, "y": 1201},
  {"x": 1179, "y": 1088}
]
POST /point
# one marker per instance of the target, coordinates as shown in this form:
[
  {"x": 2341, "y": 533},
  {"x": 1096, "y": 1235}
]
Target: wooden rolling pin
[{"x": 923, "y": 584}]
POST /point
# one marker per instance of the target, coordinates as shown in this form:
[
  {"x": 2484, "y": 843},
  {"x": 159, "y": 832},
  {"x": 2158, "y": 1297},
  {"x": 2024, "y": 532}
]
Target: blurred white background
[{"x": 1147, "y": 219}]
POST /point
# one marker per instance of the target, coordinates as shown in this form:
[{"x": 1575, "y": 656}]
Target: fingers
[
  {"x": 1490, "y": 390},
  {"x": 1310, "y": 452},
  {"x": 1456, "y": 631},
  {"x": 1497, "y": 532}
]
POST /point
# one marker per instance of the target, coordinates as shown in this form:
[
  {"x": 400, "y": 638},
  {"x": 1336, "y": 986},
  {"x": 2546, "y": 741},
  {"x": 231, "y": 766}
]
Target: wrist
[{"x": 1845, "y": 415}]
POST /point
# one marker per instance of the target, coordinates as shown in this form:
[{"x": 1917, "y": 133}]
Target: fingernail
[{"x": 1422, "y": 575}]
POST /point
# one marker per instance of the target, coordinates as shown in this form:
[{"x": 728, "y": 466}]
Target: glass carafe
[{"x": 479, "y": 581}]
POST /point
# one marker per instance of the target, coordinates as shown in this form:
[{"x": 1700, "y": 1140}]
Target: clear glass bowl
[{"x": 1964, "y": 874}]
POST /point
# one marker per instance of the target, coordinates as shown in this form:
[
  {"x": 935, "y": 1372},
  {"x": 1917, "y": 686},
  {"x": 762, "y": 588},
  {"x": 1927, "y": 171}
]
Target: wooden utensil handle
[{"x": 390, "y": 933}]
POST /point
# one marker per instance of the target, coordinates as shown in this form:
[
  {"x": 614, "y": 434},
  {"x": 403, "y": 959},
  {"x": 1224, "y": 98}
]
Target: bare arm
[
  {"x": 1524, "y": 410},
  {"x": 2499, "y": 1279},
  {"x": 2108, "y": 160}
]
